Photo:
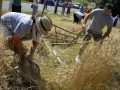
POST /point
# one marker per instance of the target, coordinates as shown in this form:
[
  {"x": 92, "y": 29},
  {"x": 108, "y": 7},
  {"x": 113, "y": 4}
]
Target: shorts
[
  {"x": 89, "y": 35},
  {"x": 35, "y": 9}
]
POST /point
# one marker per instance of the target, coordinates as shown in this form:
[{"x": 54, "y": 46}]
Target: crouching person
[
  {"x": 19, "y": 27},
  {"x": 78, "y": 16}
]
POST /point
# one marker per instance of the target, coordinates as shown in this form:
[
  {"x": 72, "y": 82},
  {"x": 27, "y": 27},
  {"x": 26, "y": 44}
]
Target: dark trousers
[
  {"x": 76, "y": 19},
  {"x": 89, "y": 34},
  {"x": 16, "y": 8}
]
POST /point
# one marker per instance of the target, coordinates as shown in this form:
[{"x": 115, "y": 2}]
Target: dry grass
[
  {"x": 118, "y": 25},
  {"x": 98, "y": 69}
]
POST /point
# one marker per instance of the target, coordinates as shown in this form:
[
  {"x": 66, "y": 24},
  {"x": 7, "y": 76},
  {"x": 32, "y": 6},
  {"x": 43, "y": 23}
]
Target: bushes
[{"x": 116, "y": 4}]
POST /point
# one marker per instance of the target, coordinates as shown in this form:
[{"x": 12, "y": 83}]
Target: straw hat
[{"x": 43, "y": 23}]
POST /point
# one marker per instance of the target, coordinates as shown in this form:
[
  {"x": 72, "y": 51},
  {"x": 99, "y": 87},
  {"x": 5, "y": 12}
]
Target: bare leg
[{"x": 82, "y": 48}]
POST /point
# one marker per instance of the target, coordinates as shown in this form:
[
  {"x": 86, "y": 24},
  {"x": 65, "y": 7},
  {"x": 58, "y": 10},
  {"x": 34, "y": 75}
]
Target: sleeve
[
  {"x": 2, "y": 20},
  {"x": 35, "y": 35},
  {"x": 20, "y": 30},
  {"x": 110, "y": 23},
  {"x": 94, "y": 12}
]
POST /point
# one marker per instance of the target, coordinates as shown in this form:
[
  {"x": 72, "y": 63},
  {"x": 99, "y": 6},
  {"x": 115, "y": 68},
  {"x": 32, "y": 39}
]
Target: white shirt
[{"x": 79, "y": 14}]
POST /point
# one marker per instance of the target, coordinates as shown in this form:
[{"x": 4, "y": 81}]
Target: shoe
[{"x": 77, "y": 58}]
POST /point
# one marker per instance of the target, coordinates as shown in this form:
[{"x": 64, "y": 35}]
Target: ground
[{"x": 98, "y": 69}]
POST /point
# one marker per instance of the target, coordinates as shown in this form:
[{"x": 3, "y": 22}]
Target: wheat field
[{"x": 99, "y": 68}]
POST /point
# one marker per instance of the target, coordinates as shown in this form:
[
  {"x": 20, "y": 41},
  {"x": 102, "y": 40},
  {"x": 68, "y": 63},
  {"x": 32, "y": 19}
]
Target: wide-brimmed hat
[{"x": 44, "y": 23}]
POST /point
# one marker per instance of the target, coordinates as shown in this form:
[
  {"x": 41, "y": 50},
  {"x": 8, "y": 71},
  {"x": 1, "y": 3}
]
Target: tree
[
  {"x": 84, "y": 2},
  {"x": 0, "y": 8},
  {"x": 101, "y": 3},
  {"x": 116, "y": 4},
  {"x": 116, "y": 9},
  {"x": 56, "y": 7}
]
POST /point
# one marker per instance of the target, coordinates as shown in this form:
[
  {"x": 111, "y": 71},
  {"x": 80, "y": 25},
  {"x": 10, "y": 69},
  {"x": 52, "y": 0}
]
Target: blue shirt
[
  {"x": 20, "y": 24},
  {"x": 99, "y": 21}
]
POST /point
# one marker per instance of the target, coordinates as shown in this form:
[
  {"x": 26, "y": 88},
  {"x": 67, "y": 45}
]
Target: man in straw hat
[
  {"x": 101, "y": 18},
  {"x": 20, "y": 26}
]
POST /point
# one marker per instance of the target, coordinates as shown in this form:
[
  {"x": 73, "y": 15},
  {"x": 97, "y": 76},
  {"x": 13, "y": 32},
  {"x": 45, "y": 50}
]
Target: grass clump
[{"x": 98, "y": 69}]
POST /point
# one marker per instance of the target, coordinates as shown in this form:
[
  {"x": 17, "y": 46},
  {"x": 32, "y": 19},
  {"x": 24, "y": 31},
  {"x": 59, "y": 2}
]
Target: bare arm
[
  {"x": 85, "y": 19},
  {"x": 107, "y": 32},
  {"x": 105, "y": 35},
  {"x": 19, "y": 47},
  {"x": 17, "y": 44},
  {"x": 33, "y": 48}
]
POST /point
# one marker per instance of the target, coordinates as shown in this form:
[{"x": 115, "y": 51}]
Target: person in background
[
  {"x": 16, "y": 6},
  {"x": 10, "y": 5},
  {"x": 34, "y": 6},
  {"x": 115, "y": 20},
  {"x": 46, "y": 3},
  {"x": 19, "y": 27},
  {"x": 78, "y": 16},
  {"x": 100, "y": 19},
  {"x": 63, "y": 8},
  {"x": 88, "y": 10},
  {"x": 68, "y": 9}
]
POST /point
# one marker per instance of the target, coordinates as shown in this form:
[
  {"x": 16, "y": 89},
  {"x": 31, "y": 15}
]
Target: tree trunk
[
  {"x": 0, "y": 8},
  {"x": 56, "y": 7},
  {"x": 44, "y": 7}
]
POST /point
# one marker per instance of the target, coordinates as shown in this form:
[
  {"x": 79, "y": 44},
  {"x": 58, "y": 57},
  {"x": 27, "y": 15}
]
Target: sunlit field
[{"x": 99, "y": 68}]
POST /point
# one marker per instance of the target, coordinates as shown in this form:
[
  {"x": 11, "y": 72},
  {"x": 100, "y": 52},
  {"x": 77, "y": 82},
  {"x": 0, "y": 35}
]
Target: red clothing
[{"x": 68, "y": 7}]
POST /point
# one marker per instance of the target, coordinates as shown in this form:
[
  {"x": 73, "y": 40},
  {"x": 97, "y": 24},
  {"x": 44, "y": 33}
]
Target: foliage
[
  {"x": 84, "y": 2},
  {"x": 116, "y": 8},
  {"x": 116, "y": 4}
]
